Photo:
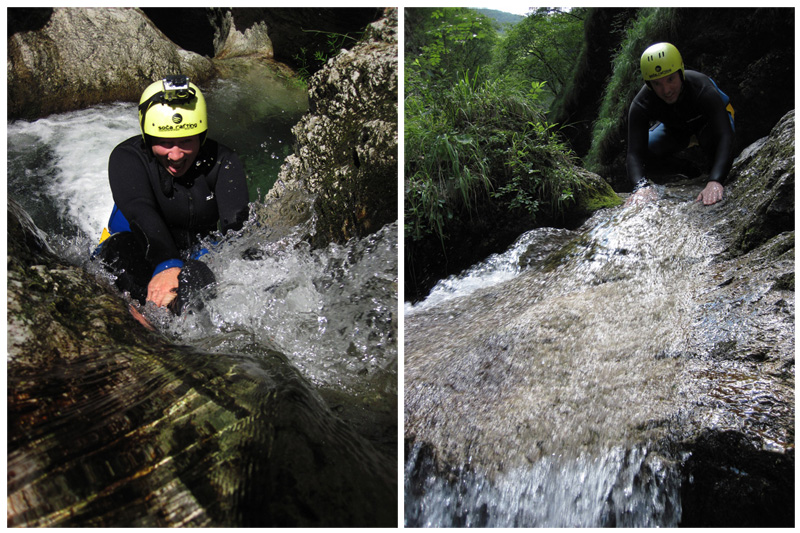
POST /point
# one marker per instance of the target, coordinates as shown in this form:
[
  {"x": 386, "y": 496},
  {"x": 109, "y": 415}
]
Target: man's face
[
  {"x": 177, "y": 155},
  {"x": 668, "y": 88}
]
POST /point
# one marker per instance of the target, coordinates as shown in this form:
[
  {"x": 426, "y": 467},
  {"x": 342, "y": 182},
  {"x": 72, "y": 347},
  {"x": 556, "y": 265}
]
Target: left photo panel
[{"x": 202, "y": 274}]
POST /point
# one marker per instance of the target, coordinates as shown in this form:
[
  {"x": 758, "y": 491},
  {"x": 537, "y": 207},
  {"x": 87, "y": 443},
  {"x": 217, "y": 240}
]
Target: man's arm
[
  {"x": 637, "y": 142},
  {"x": 721, "y": 132}
]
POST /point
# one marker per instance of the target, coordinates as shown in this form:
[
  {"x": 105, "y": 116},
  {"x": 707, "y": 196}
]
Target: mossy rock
[{"x": 594, "y": 194}]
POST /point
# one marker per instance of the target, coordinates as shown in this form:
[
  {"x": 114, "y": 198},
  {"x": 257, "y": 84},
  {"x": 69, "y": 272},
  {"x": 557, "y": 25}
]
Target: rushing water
[
  {"x": 542, "y": 385},
  {"x": 622, "y": 488},
  {"x": 57, "y": 166},
  {"x": 331, "y": 311}
]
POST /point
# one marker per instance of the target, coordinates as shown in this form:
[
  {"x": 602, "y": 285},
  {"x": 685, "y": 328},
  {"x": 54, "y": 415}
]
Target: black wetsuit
[
  {"x": 168, "y": 216},
  {"x": 701, "y": 110}
]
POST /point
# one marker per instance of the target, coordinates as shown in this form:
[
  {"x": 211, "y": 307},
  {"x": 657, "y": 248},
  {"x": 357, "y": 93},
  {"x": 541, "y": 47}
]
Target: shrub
[{"x": 481, "y": 141}]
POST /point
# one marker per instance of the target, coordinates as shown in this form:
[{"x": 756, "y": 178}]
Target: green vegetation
[
  {"x": 309, "y": 61},
  {"x": 543, "y": 47},
  {"x": 481, "y": 140},
  {"x": 476, "y": 137}
]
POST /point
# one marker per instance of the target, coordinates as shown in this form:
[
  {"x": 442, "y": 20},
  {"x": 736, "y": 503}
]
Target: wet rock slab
[
  {"x": 667, "y": 328},
  {"x": 111, "y": 425}
]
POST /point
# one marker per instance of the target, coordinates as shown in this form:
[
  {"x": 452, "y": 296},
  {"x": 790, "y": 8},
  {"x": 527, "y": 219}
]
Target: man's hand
[
  {"x": 163, "y": 288},
  {"x": 642, "y": 196},
  {"x": 711, "y": 194},
  {"x": 140, "y": 318}
]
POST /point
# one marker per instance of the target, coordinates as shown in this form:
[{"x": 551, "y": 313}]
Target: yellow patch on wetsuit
[{"x": 105, "y": 235}]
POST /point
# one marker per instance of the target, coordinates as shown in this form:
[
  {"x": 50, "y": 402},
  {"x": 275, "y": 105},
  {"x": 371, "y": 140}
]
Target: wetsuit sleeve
[
  {"x": 133, "y": 194},
  {"x": 231, "y": 193},
  {"x": 638, "y": 125},
  {"x": 721, "y": 134}
]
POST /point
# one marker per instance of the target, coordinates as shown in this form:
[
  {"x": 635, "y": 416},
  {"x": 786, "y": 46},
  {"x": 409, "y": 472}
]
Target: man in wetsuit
[
  {"x": 172, "y": 187},
  {"x": 686, "y": 107}
]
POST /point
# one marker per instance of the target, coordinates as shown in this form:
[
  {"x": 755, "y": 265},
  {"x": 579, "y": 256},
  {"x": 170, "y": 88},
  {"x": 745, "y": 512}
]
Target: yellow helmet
[
  {"x": 172, "y": 107},
  {"x": 660, "y": 60}
]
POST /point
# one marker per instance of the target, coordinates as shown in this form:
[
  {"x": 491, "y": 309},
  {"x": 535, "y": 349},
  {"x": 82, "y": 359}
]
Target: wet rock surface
[
  {"x": 109, "y": 424},
  {"x": 77, "y": 57},
  {"x": 652, "y": 329},
  {"x": 741, "y": 360}
]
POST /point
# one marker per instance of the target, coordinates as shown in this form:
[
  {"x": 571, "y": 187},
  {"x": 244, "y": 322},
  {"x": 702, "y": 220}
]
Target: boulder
[
  {"x": 740, "y": 467},
  {"x": 346, "y": 151},
  {"x": 249, "y": 40},
  {"x": 71, "y": 58},
  {"x": 761, "y": 187}
]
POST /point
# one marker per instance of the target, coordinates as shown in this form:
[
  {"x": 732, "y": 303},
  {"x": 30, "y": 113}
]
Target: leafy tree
[
  {"x": 445, "y": 45},
  {"x": 543, "y": 47}
]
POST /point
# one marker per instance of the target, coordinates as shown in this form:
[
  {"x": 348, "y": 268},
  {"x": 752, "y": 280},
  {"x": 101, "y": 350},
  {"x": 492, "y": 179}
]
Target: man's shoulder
[
  {"x": 218, "y": 147},
  {"x": 702, "y": 90},
  {"x": 130, "y": 158},
  {"x": 645, "y": 99},
  {"x": 218, "y": 151},
  {"x": 694, "y": 75},
  {"x": 132, "y": 145},
  {"x": 697, "y": 79}
]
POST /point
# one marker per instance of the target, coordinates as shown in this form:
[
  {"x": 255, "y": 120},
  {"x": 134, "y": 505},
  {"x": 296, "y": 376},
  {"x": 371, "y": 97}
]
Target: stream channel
[
  {"x": 551, "y": 385},
  {"x": 330, "y": 311}
]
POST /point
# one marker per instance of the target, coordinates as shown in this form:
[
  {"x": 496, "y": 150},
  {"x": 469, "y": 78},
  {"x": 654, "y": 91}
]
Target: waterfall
[
  {"x": 546, "y": 398},
  {"x": 272, "y": 293}
]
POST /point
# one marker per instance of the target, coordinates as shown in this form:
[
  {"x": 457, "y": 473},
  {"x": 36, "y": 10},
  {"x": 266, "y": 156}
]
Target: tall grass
[
  {"x": 446, "y": 166},
  {"x": 482, "y": 140}
]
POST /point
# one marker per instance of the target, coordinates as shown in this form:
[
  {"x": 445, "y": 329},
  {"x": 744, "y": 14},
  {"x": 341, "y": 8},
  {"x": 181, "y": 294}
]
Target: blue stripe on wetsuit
[{"x": 118, "y": 223}]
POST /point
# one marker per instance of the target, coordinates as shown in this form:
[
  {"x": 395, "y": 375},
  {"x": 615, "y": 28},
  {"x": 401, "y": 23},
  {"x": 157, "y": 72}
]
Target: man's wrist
[{"x": 170, "y": 263}]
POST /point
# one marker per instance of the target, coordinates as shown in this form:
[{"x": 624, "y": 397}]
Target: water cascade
[
  {"x": 330, "y": 312},
  {"x": 549, "y": 385}
]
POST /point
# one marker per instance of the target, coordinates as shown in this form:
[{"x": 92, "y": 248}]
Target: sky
[
  {"x": 509, "y": 6},
  {"x": 516, "y": 8}
]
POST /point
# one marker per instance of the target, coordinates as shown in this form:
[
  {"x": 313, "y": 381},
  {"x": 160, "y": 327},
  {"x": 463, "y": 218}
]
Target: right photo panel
[{"x": 599, "y": 266}]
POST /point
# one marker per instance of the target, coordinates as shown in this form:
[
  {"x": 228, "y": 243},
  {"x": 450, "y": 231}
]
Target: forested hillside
[{"x": 502, "y": 17}]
